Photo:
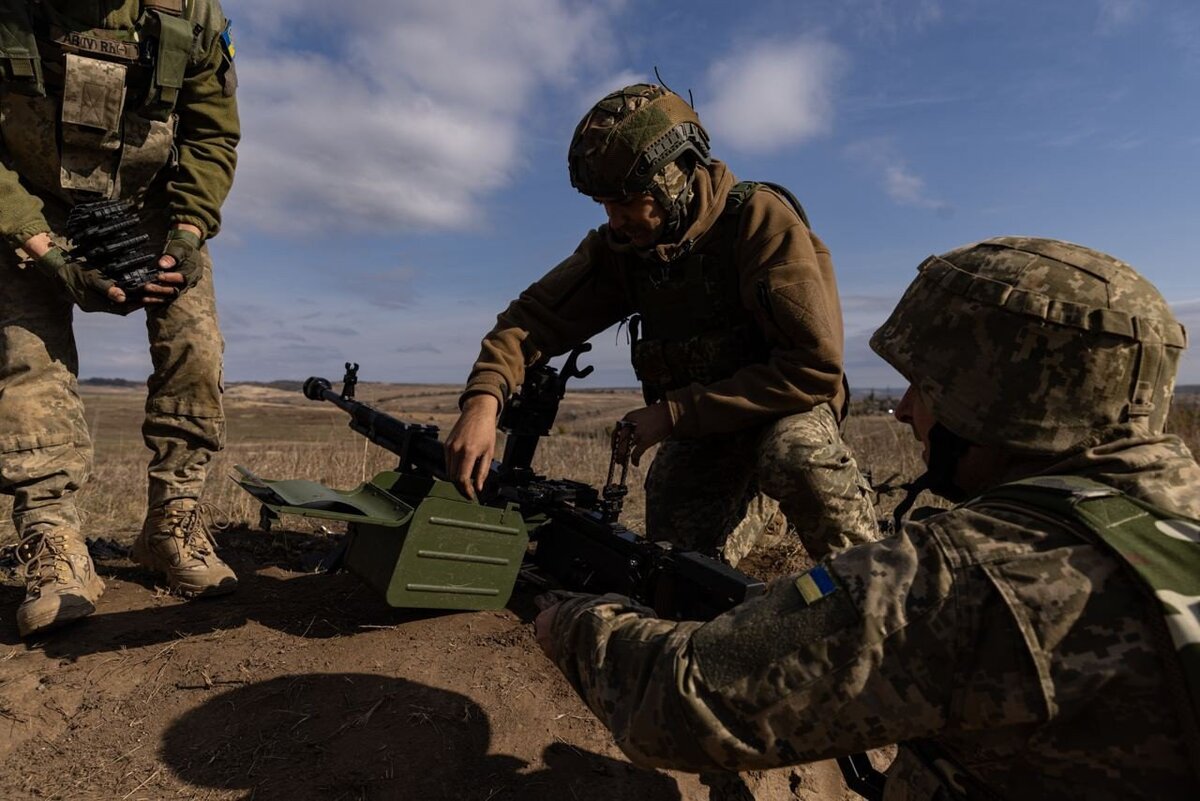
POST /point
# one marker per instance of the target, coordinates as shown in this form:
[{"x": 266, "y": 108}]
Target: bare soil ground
[{"x": 307, "y": 686}]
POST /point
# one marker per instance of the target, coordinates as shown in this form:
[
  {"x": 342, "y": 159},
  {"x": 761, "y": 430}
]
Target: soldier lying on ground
[
  {"x": 738, "y": 337},
  {"x": 1039, "y": 641}
]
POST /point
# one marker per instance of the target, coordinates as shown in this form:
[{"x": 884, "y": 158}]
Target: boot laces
[
  {"x": 192, "y": 526},
  {"x": 44, "y": 559}
]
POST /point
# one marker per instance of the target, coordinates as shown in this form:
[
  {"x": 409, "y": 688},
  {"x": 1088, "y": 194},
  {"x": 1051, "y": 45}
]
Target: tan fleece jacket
[{"x": 787, "y": 284}]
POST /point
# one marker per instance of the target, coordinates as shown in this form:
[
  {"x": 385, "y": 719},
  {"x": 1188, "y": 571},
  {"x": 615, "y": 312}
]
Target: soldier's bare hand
[
  {"x": 652, "y": 424},
  {"x": 471, "y": 444}
]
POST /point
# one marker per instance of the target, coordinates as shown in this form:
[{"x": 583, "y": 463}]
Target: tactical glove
[
  {"x": 87, "y": 288},
  {"x": 181, "y": 246}
]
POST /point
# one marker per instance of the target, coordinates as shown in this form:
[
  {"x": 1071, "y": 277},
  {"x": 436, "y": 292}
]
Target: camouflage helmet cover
[
  {"x": 630, "y": 137},
  {"x": 1035, "y": 345}
]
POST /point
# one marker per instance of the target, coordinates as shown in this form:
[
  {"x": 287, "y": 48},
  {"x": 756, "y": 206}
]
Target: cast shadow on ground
[
  {"x": 306, "y": 605},
  {"x": 362, "y": 736}
]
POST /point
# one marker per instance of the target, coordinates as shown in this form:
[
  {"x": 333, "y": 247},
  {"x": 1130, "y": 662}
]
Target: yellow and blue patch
[
  {"x": 815, "y": 585},
  {"x": 227, "y": 40}
]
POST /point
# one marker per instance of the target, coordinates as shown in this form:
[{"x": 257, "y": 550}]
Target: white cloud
[
  {"x": 899, "y": 181},
  {"x": 1183, "y": 31},
  {"x": 1116, "y": 14},
  {"x": 587, "y": 97},
  {"x": 396, "y": 116},
  {"x": 772, "y": 94},
  {"x": 887, "y": 17}
]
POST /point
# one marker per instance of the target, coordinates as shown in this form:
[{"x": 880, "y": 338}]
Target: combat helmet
[
  {"x": 1035, "y": 345},
  {"x": 642, "y": 138}
]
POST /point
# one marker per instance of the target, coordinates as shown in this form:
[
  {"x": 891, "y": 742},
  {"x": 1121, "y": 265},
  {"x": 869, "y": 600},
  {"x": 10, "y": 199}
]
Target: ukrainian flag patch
[
  {"x": 227, "y": 40},
  {"x": 815, "y": 585}
]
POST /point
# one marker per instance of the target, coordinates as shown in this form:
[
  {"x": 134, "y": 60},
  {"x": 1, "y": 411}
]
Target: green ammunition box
[{"x": 415, "y": 540}]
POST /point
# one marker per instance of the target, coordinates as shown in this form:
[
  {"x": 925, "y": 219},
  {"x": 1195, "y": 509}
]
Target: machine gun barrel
[{"x": 416, "y": 445}]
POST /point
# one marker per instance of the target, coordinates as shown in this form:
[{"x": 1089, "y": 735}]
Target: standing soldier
[
  {"x": 1040, "y": 641},
  {"x": 737, "y": 334},
  {"x": 130, "y": 99}
]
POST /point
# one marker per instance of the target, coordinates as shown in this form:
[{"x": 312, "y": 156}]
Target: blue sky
[{"x": 403, "y": 169}]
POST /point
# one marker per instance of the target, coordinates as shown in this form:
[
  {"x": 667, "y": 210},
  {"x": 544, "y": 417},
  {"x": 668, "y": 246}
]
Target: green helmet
[
  {"x": 1035, "y": 345},
  {"x": 630, "y": 138}
]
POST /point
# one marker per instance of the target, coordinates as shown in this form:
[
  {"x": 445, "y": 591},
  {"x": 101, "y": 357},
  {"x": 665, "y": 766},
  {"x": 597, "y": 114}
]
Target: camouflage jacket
[
  {"x": 1001, "y": 642},
  {"x": 129, "y": 138},
  {"x": 786, "y": 282}
]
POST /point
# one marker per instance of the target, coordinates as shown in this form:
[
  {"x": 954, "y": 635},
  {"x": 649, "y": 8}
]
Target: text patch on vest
[{"x": 90, "y": 42}]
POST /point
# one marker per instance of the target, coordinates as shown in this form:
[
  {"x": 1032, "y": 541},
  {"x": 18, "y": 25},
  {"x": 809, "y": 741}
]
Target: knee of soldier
[{"x": 796, "y": 446}]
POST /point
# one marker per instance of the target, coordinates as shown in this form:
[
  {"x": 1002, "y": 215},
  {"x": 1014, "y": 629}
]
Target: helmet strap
[
  {"x": 677, "y": 209},
  {"x": 945, "y": 450}
]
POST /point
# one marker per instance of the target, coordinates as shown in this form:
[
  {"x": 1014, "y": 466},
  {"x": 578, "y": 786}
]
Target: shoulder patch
[
  {"x": 227, "y": 40},
  {"x": 815, "y": 585}
]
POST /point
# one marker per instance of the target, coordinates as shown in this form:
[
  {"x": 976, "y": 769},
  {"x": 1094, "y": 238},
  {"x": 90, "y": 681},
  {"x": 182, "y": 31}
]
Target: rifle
[
  {"x": 416, "y": 539},
  {"x": 101, "y": 233}
]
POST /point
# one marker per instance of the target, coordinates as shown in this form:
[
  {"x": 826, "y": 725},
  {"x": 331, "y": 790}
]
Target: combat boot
[
  {"x": 61, "y": 584},
  {"x": 175, "y": 541}
]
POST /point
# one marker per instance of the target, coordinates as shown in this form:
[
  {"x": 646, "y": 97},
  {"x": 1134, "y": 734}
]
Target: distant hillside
[
  {"x": 111, "y": 382},
  {"x": 284, "y": 384},
  {"x": 1188, "y": 389}
]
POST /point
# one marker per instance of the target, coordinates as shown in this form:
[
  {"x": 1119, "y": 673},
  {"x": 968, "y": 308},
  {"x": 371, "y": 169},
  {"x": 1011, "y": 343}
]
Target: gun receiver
[
  {"x": 416, "y": 538},
  {"x": 102, "y": 234}
]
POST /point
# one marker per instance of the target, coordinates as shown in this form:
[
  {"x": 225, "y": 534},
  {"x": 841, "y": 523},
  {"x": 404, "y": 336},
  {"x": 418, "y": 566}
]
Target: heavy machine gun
[{"x": 421, "y": 543}]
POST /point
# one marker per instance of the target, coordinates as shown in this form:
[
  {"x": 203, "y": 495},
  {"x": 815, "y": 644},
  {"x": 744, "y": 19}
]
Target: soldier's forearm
[
  {"x": 195, "y": 229},
  {"x": 624, "y": 666},
  {"x": 209, "y": 131},
  {"x": 38, "y": 245},
  {"x": 20, "y": 212}
]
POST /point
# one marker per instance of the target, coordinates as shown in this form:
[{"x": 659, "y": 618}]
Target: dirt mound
[{"x": 303, "y": 686}]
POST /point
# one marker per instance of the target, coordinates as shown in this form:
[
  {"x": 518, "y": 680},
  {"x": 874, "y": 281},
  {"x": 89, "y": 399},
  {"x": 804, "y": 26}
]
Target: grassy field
[
  {"x": 279, "y": 434},
  {"x": 1185, "y": 421}
]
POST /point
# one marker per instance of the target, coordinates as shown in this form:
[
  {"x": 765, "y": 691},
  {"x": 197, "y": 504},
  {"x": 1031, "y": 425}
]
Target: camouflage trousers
[
  {"x": 45, "y": 447},
  {"x": 718, "y": 494}
]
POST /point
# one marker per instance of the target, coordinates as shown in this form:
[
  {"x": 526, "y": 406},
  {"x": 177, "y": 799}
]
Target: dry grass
[
  {"x": 279, "y": 434},
  {"x": 1185, "y": 422}
]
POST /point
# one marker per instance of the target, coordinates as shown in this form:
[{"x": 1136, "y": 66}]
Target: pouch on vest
[
  {"x": 176, "y": 40},
  {"x": 93, "y": 99},
  {"x": 703, "y": 359},
  {"x": 20, "y": 63},
  {"x": 1160, "y": 548},
  {"x": 696, "y": 329}
]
